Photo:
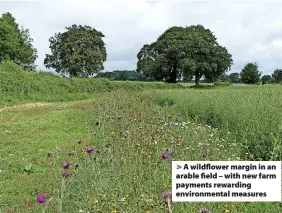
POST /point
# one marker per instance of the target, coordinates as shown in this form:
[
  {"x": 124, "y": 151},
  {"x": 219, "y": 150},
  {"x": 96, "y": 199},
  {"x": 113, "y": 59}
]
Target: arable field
[
  {"x": 252, "y": 115},
  {"x": 126, "y": 170}
]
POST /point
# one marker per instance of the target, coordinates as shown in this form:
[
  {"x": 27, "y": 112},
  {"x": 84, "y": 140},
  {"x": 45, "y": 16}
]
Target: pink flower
[
  {"x": 41, "y": 198},
  {"x": 66, "y": 165},
  {"x": 164, "y": 155},
  {"x": 66, "y": 174},
  {"x": 89, "y": 150}
]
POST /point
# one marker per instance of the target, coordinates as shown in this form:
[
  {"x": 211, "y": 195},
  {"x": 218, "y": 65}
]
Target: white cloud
[{"x": 251, "y": 30}]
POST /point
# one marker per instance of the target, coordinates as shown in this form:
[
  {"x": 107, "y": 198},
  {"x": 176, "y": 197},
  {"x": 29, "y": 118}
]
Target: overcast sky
[{"x": 250, "y": 30}]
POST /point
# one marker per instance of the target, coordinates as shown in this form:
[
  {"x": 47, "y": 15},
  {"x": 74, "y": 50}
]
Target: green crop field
[{"x": 128, "y": 129}]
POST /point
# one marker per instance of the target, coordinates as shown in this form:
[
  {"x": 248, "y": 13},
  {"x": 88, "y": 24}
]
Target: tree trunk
[
  {"x": 173, "y": 75},
  {"x": 197, "y": 78}
]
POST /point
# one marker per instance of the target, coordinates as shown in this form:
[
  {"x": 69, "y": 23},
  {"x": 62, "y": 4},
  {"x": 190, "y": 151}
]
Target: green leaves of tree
[
  {"x": 250, "y": 74},
  {"x": 277, "y": 76},
  {"x": 15, "y": 43},
  {"x": 79, "y": 52},
  {"x": 184, "y": 52}
]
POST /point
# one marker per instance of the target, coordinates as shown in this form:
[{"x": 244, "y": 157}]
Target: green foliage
[
  {"x": 17, "y": 86},
  {"x": 222, "y": 83},
  {"x": 126, "y": 142},
  {"x": 277, "y": 76},
  {"x": 28, "y": 168},
  {"x": 184, "y": 52},
  {"x": 251, "y": 115},
  {"x": 123, "y": 75},
  {"x": 78, "y": 52},
  {"x": 266, "y": 79},
  {"x": 250, "y": 74},
  {"x": 235, "y": 77},
  {"x": 16, "y": 44},
  {"x": 224, "y": 77}
]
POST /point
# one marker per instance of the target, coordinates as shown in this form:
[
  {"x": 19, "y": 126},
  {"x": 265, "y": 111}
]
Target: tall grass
[
  {"x": 129, "y": 173},
  {"x": 252, "y": 114},
  {"x": 18, "y": 86}
]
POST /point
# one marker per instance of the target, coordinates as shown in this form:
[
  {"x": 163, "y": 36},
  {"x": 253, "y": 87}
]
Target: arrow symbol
[{"x": 179, "y": 167}]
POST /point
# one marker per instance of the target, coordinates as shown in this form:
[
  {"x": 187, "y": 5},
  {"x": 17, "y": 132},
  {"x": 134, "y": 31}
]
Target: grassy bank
[
  {"x": 18, "y": 86},
  {"x": 252, "y": 114},
  {"x": 127, "y": 175}
]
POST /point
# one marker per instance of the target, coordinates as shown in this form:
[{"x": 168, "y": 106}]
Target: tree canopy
[
  {"x": 235, "y": 77},
  {"x": 266, "y": 79},
  {"x": 78, "y": 52},
  {"x": 123, "y": 75},
  {"x": 224, "y": 77},
  {"x": 277, "y": 76},
  {"x": 15, "y": 43},
  {"x": 184, "y": 52},
  {"x": 250, "y": 74}
]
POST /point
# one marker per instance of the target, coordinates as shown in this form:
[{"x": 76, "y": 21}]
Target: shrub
[{"x": 222, "y": 84}]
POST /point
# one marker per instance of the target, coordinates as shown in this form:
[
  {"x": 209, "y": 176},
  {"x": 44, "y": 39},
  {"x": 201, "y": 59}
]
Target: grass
[
  {"x": 252, "y": 114},
  {"x": 128, "y": 174},
  {"x": 18, "y": 86},
  {"x": 138, "y": 121}
]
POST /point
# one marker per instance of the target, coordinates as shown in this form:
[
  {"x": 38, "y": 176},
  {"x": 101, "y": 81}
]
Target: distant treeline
[{"x": 124, "y": 75}]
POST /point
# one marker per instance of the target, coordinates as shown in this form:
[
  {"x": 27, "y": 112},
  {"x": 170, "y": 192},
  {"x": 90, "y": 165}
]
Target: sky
[{"x": 250, "y": 30}]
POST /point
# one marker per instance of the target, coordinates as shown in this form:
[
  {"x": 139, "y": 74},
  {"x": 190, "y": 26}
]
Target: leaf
[{"x": 28, "y": 167}]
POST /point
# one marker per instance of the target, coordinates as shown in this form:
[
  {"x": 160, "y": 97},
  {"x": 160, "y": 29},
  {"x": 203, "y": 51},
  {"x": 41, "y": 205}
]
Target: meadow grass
[
  {"x": 18, "y": 86},
  {"x": 127, "y": 175}
]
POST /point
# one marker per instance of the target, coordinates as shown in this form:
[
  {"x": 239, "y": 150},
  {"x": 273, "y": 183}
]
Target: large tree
[
  {"x": 250, "y": 74},
  {"x": 277, "y": 76},
  {"x": 78, "y": 52},
  {"x": 234, "y": 77},
  {"x": 184, "y": 52},
  {"x": 224, "y": 77},
  {"x": 266, "y": 79},
  {"x": 15, "y": 43}
]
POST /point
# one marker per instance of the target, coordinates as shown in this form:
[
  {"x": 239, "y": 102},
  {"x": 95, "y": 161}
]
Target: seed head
[
  {"x": 166, "y": 196},
  {"x": 203, "y": 210},
  {"x": 66, "y": 174}
]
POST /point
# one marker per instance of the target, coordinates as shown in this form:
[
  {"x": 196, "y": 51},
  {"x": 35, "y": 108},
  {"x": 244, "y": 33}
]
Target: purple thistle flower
[
  {"x": 205, "y": 154},
  {"x": 50, "y": 154},
  {"x": 166, "y": 196},
  {"x": 66, "y": 174},
  {"x": 165, "y": 155},
  {"x": 70, "y": 154},
  {"x": 41, "y": 198},
  {"x": 79, "y": 142},
  {"x": 97, "y": 123},
  {"x": 66, "y": 165},
  {"x": 89, "y": 150}
]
